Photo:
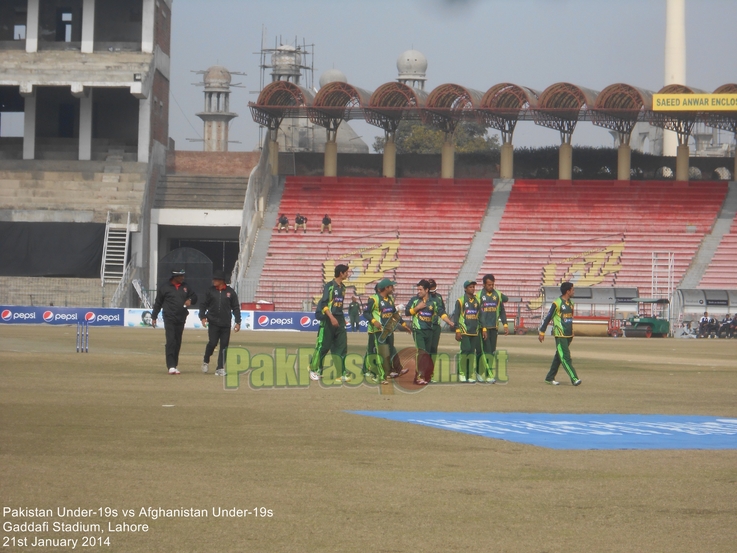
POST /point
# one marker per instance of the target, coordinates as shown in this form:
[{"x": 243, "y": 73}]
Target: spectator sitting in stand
[
  {"x": 727, "y": 327},
  {"x": 300, "y": 221},
  {"x": 282, "y": 223},
  {"x": 327, "y": 223}
]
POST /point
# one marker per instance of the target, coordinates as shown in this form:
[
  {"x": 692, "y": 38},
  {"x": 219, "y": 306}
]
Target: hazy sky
[{"x": 474, "y": 43}]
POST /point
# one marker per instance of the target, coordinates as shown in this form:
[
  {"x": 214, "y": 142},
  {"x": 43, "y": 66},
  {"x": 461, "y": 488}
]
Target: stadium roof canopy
[
  {"x": 503, "y": 105},
  {"x": 724, "y": 120},
  {"x": 560, "y": 106},
  {"x": 392, "y": 102},
  {"x": 448, "y": 104},
  {"x": 619, "y": 106},
  {"x": 277, "y": 100},
  {"x": 335, "y": 102},
  {"x": 680, "y": 122}
]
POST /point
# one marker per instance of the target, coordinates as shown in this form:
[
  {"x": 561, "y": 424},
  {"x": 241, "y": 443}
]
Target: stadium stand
[
  {"x": 601, "y": 233},
  {"x": 89, "y": 189},
  {"x": 722, "y": 271},
  {"x": 411, "y": 228}
]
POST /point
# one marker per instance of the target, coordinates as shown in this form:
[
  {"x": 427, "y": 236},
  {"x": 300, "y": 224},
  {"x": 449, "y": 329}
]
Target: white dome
[
  {"x": 332, "y": 76},
  {"x": 217, "y": 77},
  {"x": 411, "y": 64}
]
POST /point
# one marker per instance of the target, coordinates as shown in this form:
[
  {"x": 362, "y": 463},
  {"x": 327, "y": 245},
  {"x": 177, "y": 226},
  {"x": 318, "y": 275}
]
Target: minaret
[
  {"x": 412, "y": 69},
  {"x": 675, "y": 58},
  {"x": 217, "y": 114}
]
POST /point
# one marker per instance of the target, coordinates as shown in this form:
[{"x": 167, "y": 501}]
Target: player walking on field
[
  {"x": 215, "y": 314},
  {"x": 331, "y": 336},
  {"x": 491, "y": 306},
  {"x": 174, "y": 297},
  {"x": 561, "y": 313}
]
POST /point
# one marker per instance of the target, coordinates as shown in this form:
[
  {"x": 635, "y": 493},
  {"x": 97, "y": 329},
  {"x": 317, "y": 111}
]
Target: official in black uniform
[
  {"x": 175, "y": 297},
  {"x": 220, "y": 301}
]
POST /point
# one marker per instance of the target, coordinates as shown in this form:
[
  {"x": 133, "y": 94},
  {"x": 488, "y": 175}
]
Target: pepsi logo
[
  {"x": 305, "y": 322},
  {"x": 48, "y": 316},
  {"x": 263, "y": 320},
  {"x": 89, "y": 317},
  {"x": 7, "y": 314}
]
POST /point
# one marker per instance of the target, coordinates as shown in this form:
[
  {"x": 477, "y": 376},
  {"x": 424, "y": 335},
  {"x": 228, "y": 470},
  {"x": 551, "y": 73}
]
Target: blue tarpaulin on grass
[{"x": 568, "y": 431}]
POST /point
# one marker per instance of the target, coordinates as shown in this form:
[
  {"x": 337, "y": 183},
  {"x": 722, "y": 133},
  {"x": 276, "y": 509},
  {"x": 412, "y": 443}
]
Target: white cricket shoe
[
  {"x": 173, "y": 370},
  {"x": 219, "y": 372},
  {"x": 206, "y": 367}
]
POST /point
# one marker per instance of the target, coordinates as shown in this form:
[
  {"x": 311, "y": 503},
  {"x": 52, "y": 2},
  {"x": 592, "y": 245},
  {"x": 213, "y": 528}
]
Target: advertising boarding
[{"x": 93, "y": 316}]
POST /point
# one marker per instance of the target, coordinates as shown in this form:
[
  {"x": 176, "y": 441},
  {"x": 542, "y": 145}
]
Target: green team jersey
[
  {"x": 441, "y": 308},
  {"x": 561, "y": 313},
  {"x": 380, "y": 310},
  {"x": 332, "y": 300},
  {"x": 491, "y": 308},
  {"x": 354, "y": 309},
  {"x": 466, "y": 315},
  {"x": 425, "y": 317}
]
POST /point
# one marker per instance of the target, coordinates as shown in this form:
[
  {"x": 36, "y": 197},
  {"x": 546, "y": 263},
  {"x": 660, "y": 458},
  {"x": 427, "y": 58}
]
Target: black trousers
[
  {"x": 174, "y": 333},
  {"x": 217, "y": 334}
]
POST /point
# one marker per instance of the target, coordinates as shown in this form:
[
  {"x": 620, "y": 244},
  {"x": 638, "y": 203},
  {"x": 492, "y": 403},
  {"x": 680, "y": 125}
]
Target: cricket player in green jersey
[
  {"x": 491, "y": 306},
  {"x": 561, "y": 313},
  {"x": 424, "y": 309},
  {"x": 466, "y": 321},
  {"x": 331, "y": 336},
  {"x": 436, "y": 328},
  {"x": 379, "y": 309}
]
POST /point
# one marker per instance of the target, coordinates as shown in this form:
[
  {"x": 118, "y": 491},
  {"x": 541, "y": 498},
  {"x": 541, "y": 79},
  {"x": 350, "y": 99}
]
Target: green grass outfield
[{"x": 92, "y": 431}]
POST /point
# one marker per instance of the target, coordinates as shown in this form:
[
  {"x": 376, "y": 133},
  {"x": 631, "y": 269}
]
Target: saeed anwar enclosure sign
[{"x": 694, "y": 102}]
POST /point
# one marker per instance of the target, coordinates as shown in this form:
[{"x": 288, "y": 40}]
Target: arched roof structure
[
  {"x": 725, "y": 120},
  {"x": 450, "y": 103},
  {"x": 503, "y": 104},
  {"x": 680, "y": 122},
  {"x": 277, "y": 100},
  {"x": 392, "y": 102},
  {"x": 559, "y": 107},
  {"x": 619, "y": 106},
  {"x": 336, "y": 102}
]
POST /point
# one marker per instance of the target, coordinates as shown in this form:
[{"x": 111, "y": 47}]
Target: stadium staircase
[
  {"x": 405, "y": 229},
  {"x": 721, "y": 272},
  {"x": 247, "y": 292},
  {"x": 597, "y": 233},
  {"x": 200, "y": 192}
]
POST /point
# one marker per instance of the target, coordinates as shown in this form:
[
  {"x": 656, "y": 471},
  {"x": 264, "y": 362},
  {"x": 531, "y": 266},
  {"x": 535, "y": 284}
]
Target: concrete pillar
[
  {"x": 390, "y": 158},
  {"x": 29, "y": 127},
  {"x": 624, "y": 161},
  {"x": 675, "y": 58},
  {"x": 32, "y": 26},
  {"x": 734, "y": 173},
  {"x": 506, "y": 169},
  {"x": 144, "y": 129},
  {"x": 331, "y": 159},
  {"x": 85, "y": 127},
  {"x": 682, "y": 162},
  {"x": 447, "y": 159},
  {"x": 565, "y": 162},
  {"x": 153, "y": 258},
  {"x": 148, "y": 24},
  {"x": 274, "y": 156},
  {"x": 88, "y": 27}
]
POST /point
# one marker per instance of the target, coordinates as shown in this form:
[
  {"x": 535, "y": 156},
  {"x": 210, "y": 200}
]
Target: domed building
[{"x": 412, "y": 68}]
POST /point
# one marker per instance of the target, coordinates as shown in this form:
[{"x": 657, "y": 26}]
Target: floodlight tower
[{"x": 675, "y": 60}]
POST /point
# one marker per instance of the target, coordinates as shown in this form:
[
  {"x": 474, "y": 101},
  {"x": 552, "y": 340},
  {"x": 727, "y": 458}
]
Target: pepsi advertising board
[
  {"x": 13, "y": 314},
  {"x": 291, "y": 320}
]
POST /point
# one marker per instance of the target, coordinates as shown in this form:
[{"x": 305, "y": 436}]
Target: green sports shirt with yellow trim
[{"x": 561, "y": 314}]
